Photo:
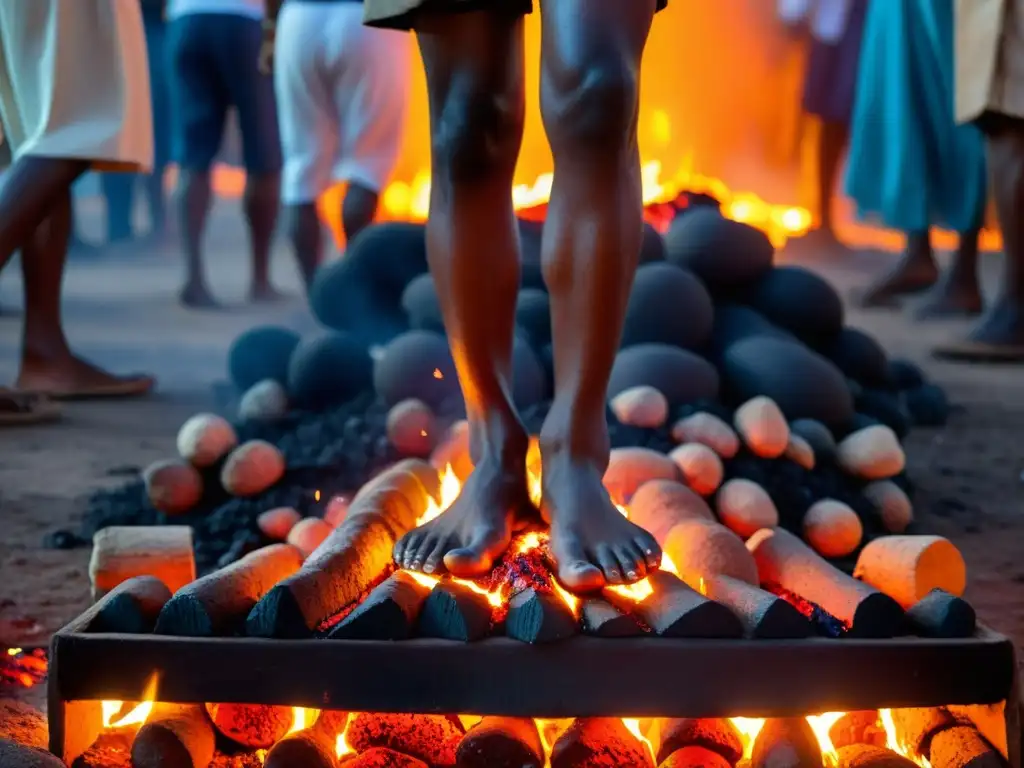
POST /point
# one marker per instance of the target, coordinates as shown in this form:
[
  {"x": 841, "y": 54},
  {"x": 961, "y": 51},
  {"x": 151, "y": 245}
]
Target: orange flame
[
  {"x": 137, "y": 715},
  {"x": 821, "y": 724},
  {"x": 893, "y": 742},
  {"x": 341, "y": 746},
  {"x": 302, "y": 719}
]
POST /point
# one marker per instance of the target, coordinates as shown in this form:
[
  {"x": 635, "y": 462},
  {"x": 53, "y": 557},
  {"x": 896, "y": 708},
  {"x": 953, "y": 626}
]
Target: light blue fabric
[{"x": 910, "y": 166}]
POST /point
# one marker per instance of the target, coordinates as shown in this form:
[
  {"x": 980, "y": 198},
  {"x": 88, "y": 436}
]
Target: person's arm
[{"x": 271, "y": 9}]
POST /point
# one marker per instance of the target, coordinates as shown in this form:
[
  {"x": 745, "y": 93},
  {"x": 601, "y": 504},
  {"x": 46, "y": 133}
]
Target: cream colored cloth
[
  {"x": 74, "y": 81},
  {"x": 989, "y": 58}
]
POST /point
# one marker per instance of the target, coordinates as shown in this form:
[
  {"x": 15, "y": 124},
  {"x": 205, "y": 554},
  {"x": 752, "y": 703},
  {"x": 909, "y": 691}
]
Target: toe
[
  {"x": 419, "y": 556},
  {"x": 477, "y": 557},
  {"x": 650, "y": 549},
  {"x": 434, "y": 561},
  {"x": 401, "y": 550},
  {"x": 631, "y": 561},
  {"x": 606, "y": 560},
  {"x": 575, "y": 572}
]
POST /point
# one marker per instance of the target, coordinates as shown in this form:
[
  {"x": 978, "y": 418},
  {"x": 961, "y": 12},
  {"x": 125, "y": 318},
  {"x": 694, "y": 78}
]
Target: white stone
[
  {"x": 709, "y": 430},
  {"x": 700, "y": 467},
  {"x": 266, "y": 401},
  {"x": 205, "y": 439},
  {"x": 872, "y": 453},
  {"x": 762, "y": 427},
  {"x": 641, "y": 406}
]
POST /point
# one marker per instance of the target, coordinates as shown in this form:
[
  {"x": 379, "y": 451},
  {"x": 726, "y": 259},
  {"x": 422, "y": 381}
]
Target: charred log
[
  {"x": 916, "y": 726},
  {"x": 673, "y": 609},
  {"x": 14, "y": 755},
  {"x": 175, "y": 736},
  {"x": 501, "y": 742},
  {"x": 217, "y": 604},
  {"x": 539, "y": 617},
  {"x": 871, "y": 756},
  {"x": 785, "y": 560},
  {"x": 963, "y": 747},
  {"x": 762, "y": 614},
  {"x": 602, "y": 619},
  {"x": 695, "y": 757},
  {"x": 786, "y": 743},
  {"x": 113, "y": 749},
  {"x": 349, "y": 562},
  {"x": 131, "y": 607},
  {"x": 940, "y": 614},
  {"x": 433, "y": 739},
  {"x": 381, "y": 757},
  {"x": 313, "y": 747},
  {"x": 861, "y": 727},
  {"x": 716, "y": 734},
  {"x": 257, "y": 726},
  {"x": 454, "y": 611},
  {"x": 389, "y": 612},
  {"x": 599, "y": 742}
]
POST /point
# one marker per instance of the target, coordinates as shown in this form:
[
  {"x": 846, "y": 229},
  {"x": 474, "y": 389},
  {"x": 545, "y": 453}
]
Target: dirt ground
[{"x": 121, "y": 312}]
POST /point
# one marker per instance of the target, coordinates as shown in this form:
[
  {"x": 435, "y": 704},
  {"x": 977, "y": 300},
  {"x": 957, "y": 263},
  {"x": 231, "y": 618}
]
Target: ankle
[{"x": 503, "y": 445}]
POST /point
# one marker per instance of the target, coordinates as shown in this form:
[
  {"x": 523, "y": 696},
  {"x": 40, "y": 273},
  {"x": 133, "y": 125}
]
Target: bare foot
[
  {"x": 592, "y": 542},
  {"x": 197, "y": 296},
  {"x": 951, "y": 297},
  {"x": 470, "y": 535},
  {"x": 915, "y": 272},
  {"x": 70, "y": 377},
  {"x": 265, "y": 294},
  {"x": 998, "y": 337}
]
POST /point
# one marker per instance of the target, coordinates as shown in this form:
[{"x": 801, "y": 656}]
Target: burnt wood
[
  {"x": 602, "y": 619},
  {"x": 695, "y": 757},
  {"x": 454, "y": 611},
  {"x": 381, "y": 757},
  {"x": 870, "y": 756},
  {"x": 539, "y": 617},
  {"x": 218, "y": 603},
  {"x": 716, "y": 734},
  {"x": 963, "y": 747},
  {"x": 786, "y": 743},
  {"x": 596, "y": 742},
  {"x": 308, "y": 748},
  {"x": 430, "y": 738},
  {"x": 131, "y": 607},
  {"x": 174, "y": 737},
  {"x": 915, "y": 726},
  {"x": 673, "y": 609},
  {"x": 388, "y": 613},
  {"x": 501, "y": 742},
  {"x": 762, "y": 614},
  {"x": 639, "y": 677},
  {"x": 940, "y": 614}
]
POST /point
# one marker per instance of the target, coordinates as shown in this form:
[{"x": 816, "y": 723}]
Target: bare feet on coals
[
  {"x": 592, "y": 542},
  {"x": 469, "y": 536}
]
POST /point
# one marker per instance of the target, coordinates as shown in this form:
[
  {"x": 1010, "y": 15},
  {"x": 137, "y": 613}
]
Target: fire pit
[{"x": 340, "y": 657}]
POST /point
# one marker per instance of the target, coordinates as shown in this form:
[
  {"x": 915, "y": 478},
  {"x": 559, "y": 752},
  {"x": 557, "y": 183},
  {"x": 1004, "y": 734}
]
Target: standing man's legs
[
  {"x": 590, "y": 71},
  {"x": 199, "y": 105},
  {"x": 153, "y": 182},
  {"x": 252, "y": 94},
  {"x": 474, "y": 67},
  {"x": 119, "y": 196}
]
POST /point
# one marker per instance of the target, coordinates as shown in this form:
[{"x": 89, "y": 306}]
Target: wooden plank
[{"x": 639, "y": 677}]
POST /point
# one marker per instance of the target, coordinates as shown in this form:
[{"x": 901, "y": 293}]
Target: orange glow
[
  {"x": 303, "y": 718},
  {"x": 749, "y": 728},
  {"x": 633, "y": 726},
  {"x": 316, "y": 495},
  {"x": 137, "y": 715},
  {"x": 438, "y": 374},
  {"x": 821, "y": 724},
  {"x": 893, "y": 742},
  {"x": 341, "y": 746}
]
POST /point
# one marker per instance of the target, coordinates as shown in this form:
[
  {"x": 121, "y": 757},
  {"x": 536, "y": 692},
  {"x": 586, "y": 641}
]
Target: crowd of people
[{"x": 916, "y": 92}]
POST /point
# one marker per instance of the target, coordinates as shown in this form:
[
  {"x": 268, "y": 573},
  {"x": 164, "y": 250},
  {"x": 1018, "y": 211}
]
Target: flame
[
  {"x": 341, "y": 746},
  {"x": 450, "y": 487},
  {"x": 893, "y": 742},
  {"x": 137, "y": 715},
  {"x": 748, "y": 727},
  {"x": 316, "y": 495},
  {"x": 821, "y": 724},
  {"x": 302, "y": 719},
  {"x": 438, "y": 374},
  {"x": 13, "y": 651},
  {"x": 633, "y": 726}
]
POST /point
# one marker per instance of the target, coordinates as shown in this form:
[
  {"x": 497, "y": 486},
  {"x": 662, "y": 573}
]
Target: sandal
[{"x": 20, "y": 409}]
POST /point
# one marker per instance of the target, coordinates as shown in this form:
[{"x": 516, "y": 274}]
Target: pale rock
[
  {"x": 709, "y": 430},
  {"x": 265, "y": 401},
  {"x": 308, "y": 534},
  {"x": 700, "y": 467},
  {"x": 252, "y": 468},
  {"x": 629, "y": 468},
  {"x": 872, "y": 453},
  {"x": 762, "y": 427},
  {"x": 174, "y": 487},
  {"x": 659, "y": 505},
  {"x": 277, "y": 523},
  {"x": 701, "y": 549},
  {"x": 745, "y": 507},
  {"x": 205, "y": 439},
  {"x": 832, "y": 528},
  {"x": 411, "y": 428},
  {"x": 799, "y": 451},
  {"x": 641, "y": 406},
  {"x": 891, "y": 503}
]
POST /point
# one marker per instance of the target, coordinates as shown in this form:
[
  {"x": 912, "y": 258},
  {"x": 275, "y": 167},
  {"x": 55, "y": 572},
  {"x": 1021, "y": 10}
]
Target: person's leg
[
  {"x": 47, "y": 363},
  {"x": 957, "y": 292},
  {"x": 590, "y": 69},
  {"x": 119, "y": 195},
  {"x": 153, "y": 183},
  {"x": 198, "y": 112},
  {"x": 832, "y": 143},
  {"x": 252, "y": 94},
  {"x": 358, "y": 209},
  {"x": 914, "y": 272},
  {"x": 474, "y": 68}
]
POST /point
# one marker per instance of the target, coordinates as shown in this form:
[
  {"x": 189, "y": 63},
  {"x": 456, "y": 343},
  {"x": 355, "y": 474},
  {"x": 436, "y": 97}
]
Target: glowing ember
[
  {"x": 893, "y": 742},
  {"x": 633, "y": 726},
  {"x": 302, "y": 718},
  {"x": 341, "y": 746},
  {"x": 821, "y": 724},
  {"x": 23, "y": 668},
  {"x": 748, "y": 727},
  {"x": 137, "y": 715},
  {"x": 438, "y": 374}
]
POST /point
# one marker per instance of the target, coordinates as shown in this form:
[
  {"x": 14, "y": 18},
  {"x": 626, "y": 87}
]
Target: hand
[{"x": 266, "y": 59}]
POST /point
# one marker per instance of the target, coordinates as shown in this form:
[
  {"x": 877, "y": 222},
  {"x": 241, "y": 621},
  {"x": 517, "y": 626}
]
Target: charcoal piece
[
  {"x": 422, "y": 305},
  {"x": 418, "y": 365},
  {"x": 381, "y": 757},
  {"x": 454, "y": 611},
  {"x": 927, "y": 405},
  {"x": 871, "y": 756},
  {"x": 716, "y": 734},
  {"x": 539, "y": 617},
  {"x": 763, "y": 615},
  {"x": 940, "y": 614},
  {"x": 726, "y": 255},
  {"x": 174, "y": 736},
  {"x": 679, "y": 375},
  {"x": 259, "y": 354},
  {"x": 529, "y": 380},
  {"x": 915, "y": 726},
  {"x": 501, "y": 742},
  {"x": 887, "y": 408},
  {"x": 131, "y": 607},
  {"x": 602, "y": 619},
  {"x": 256, "y": 726},
  {"x": 113, "y": 749},
  {"x": 963, "y": 747},
  {"x": 676, "y": 610},
  {"x": 668, "y": 305},
  {"x": 533, "y": 316},
  {"x": 599, "y": 742},
  {"x": 695, "y": 757},
  {"x": 217, "y": 604},
  {"x": 430, "y": 738},
  {"x": 904, "y": 374},
  {"x": 804, "y": 304},
  {"x": 15, "y": 755},
  {"x": 860, "y": 357},
  {"x": 308, "y": 748},
  {"x": 389, "y": 612},
  {"x": 785, "y": 560},
  {"x": 786, "y": 743},
  {"x": 861, "y": 727}
]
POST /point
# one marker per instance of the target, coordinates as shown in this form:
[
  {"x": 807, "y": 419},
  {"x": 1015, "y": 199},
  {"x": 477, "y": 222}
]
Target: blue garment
[{"x": 910, "y": 165}]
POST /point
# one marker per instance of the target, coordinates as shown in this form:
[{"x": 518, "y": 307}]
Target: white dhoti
[
  {"x": 342, "y": 91},
  {"x": 989, "y": 58},
  {"x": 74, "y": 82}
]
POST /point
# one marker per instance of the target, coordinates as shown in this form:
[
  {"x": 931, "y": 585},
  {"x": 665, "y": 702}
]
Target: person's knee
[
  {"x": 592, "y": 113},
  {"x": 477, "y": 134}
]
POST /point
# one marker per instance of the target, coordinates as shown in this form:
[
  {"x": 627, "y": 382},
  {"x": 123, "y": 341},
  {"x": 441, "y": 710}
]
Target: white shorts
[{"x": 341, "y": 90}]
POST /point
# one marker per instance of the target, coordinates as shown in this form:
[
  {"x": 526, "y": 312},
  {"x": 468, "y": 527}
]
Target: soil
[{"x": 121, "y": 311}]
